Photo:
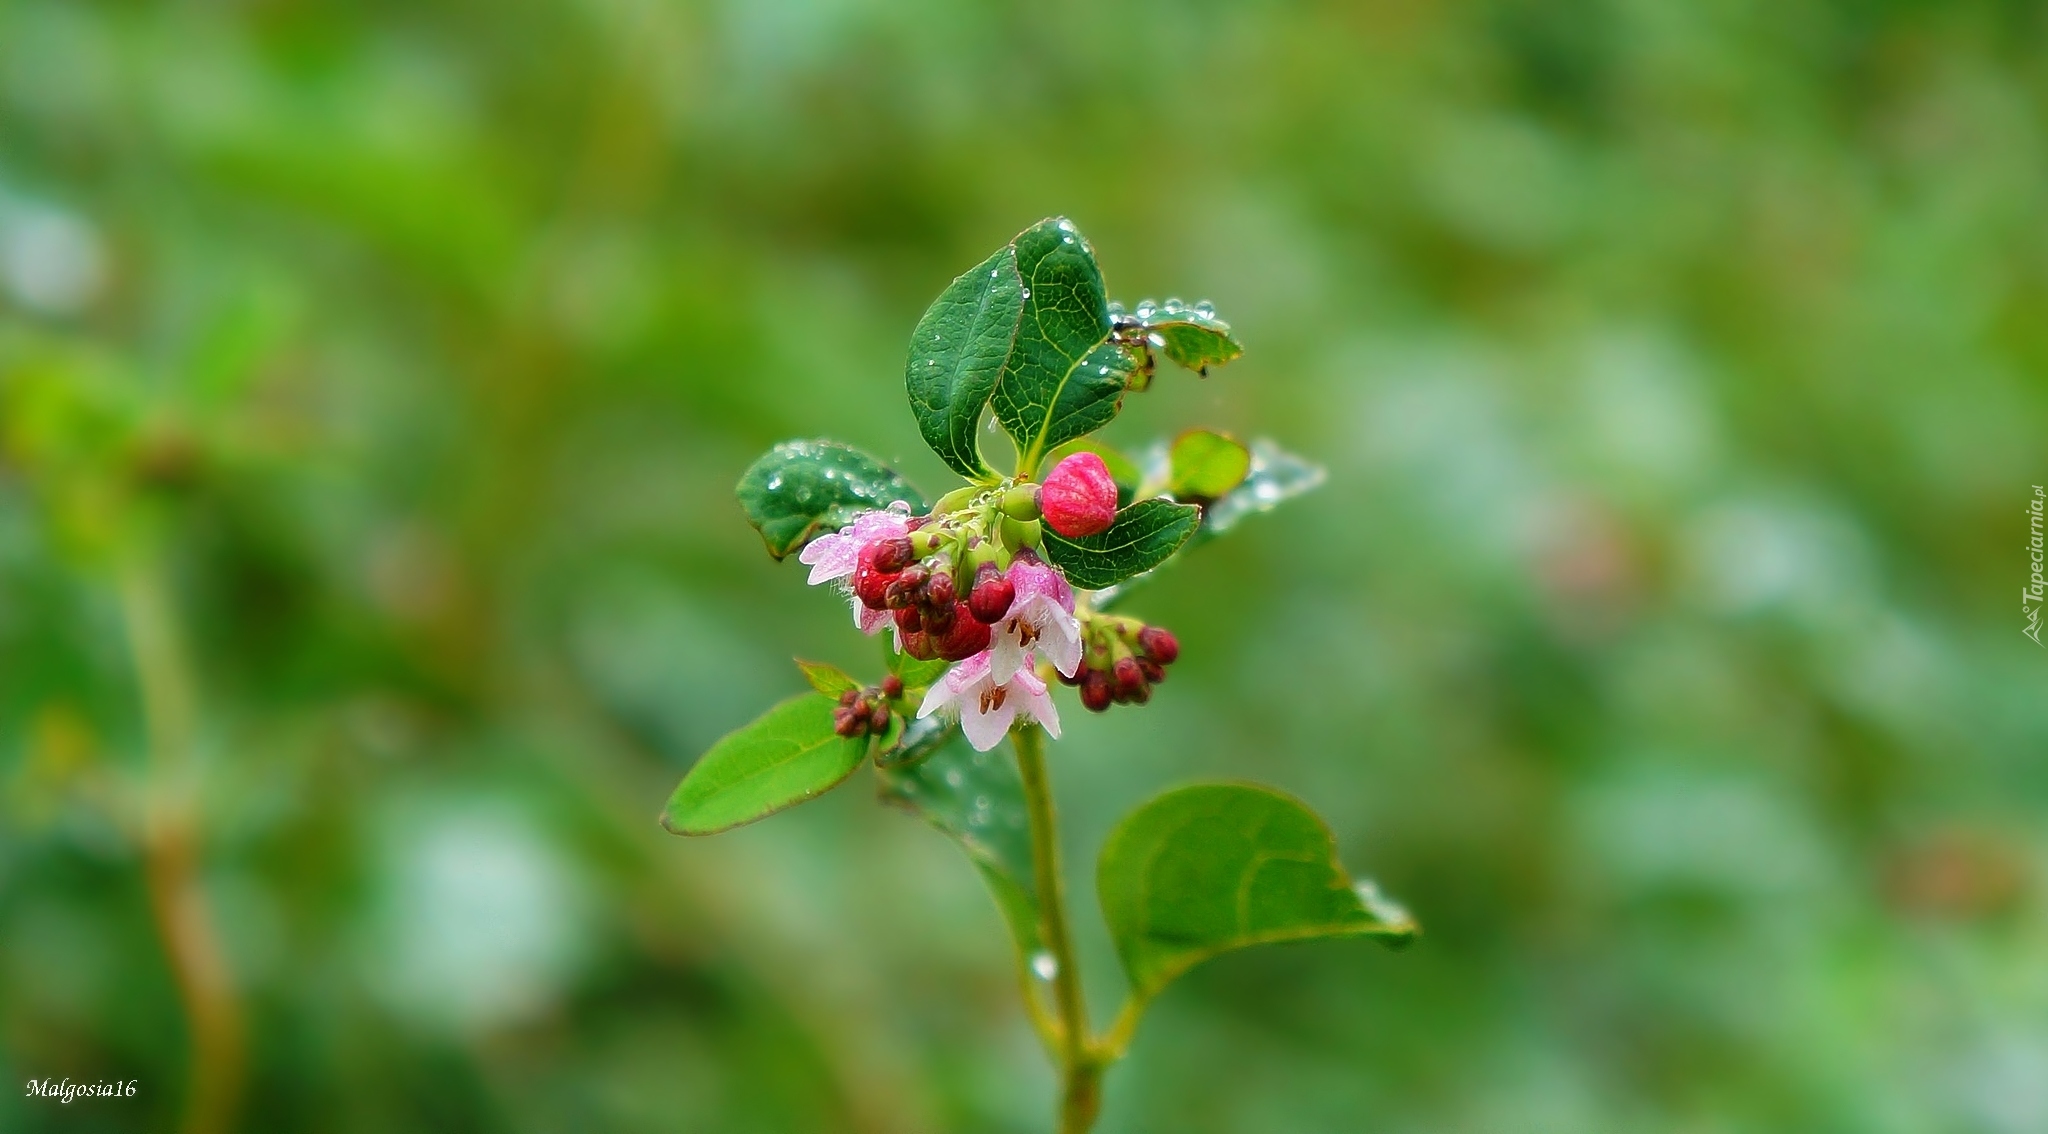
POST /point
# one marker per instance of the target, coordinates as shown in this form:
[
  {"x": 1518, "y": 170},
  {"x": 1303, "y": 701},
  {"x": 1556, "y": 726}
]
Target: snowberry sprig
[{"x": 1001, "y": 587}]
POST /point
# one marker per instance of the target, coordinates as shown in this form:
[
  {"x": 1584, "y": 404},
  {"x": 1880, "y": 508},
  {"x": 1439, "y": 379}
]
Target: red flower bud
[
  {"x": 966, "y": 637},
  {"x": 1078, "y": 497},
  {"x": 892, "y": 687},
  {"x": 992, "y": 595},
  {"x": 918, "y": 644},
  {"x": 1129, "y": 678},
  {"x": 939, "y": 591},
  {"x": 847, "y": 698},
  {"x": 903, "y": 590},
  {"x": 848, "y": 723},
  {"x": 871, "y": 582},
  {"x": 893, "y": 554},
  {"x": 910, "y": 620},
  {"x": 1095, "y": 696},
  {"x": 1153, "y": 671},
  {"x": 938, "y": 620},
  {"x": 1159, "y": 644},
  {"x": 878, "y": 719}
]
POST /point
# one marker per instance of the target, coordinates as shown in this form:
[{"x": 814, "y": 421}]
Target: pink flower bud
[{"x": 1078, "y": 497}]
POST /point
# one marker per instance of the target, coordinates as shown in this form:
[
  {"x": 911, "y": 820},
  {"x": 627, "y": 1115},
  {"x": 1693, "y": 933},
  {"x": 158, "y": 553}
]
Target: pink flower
[
  {"x": 1078, "y": 497},
  {"x": 988, "y": 707},
  {"x": 836, "y": 556},
  {"x": 1041, "y": 618}
]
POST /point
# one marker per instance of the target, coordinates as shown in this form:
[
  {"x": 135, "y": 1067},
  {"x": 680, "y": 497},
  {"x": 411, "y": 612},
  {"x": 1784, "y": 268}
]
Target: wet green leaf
[
  {"x": 977, "y": 799},
  {"x": 1204, "y": 465},
  {"x": 788, "y": 755},
  {"x": 802, "y": 489},
  {"x": 1064, "y": 378},
  {"x": 1142, "y": 538},
  {"x": 956, "y": 356},
  {"x": 1192, "y": 337},
  {"x": 1202, "y": 870}
]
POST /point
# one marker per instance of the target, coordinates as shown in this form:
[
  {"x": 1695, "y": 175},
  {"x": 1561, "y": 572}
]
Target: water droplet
[
  {"x": 1146, "y": 308},
  {"x": 1173, "y": 307},
  {"x": 1045, "y": 965},
  {"x": 1027, "y": 293},
  {"x": 953, "y": 777},
  {"x": 1205, "y": 309},
  {"x": 1067, "y": 240},
  {"x": 775, "y": 483},
  {"x": 981, "y": 803}
]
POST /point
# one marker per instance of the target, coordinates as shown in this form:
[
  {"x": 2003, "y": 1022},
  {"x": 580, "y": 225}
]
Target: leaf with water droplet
[
  {"x": 803, "y": 489},
  {"x": 1275, "y": 477},
  {"x": 1192, "y": 337},
  {"x": 1204, "y": 465},
  {"x": 1142, "y": 537},
  {"x": 788, "y": 755},
  {"x": 1202, "y": 870},
  {"x": 957, "y": 355},
  {"x": 1064, "y": 378},
  {"x": 977, "y": 799}
]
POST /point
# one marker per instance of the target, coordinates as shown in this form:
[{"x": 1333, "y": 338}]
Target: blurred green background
[{"x": 373, "y": 378}]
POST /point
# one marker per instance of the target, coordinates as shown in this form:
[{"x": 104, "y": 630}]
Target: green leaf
[
  {"x": 957, "y": 355},
  {"x": 1276, "y": 476},
  {"x": 978, "y": 801},
  {"x": 1142, "y": 537},
  {"x": 1205, "y": 465},
  {"x": 802, "y": 489},
  {"x": 787, "y": 756},
  {"x": 1064, "y": 378},
  {"x": 1203, "y": 870},
  {"x": 918, "y": 741},
  {"x": 1192, "y": 337},
  {"x": 826, "y": 678}
]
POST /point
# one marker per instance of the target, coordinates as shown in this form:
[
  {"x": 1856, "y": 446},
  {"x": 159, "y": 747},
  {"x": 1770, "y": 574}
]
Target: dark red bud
[
  {"x": 1140, "y": 695},
  {"x": 847, "y": 698},
  {"x": 1095, "y": 690},
  {"x": 893, "y": 554},
  {"x": 992, "y": 595},
  {"x": 918, "y": 644},
  {"x": 871, "y": 583},
  {"x": 1159, "y": 644},
  {"x": 910, "y": 620},
  {"x": 878, "y": 720},
  {"x": 903, "y": 590},
  {"x": 965, "y": 638},
  {"x": 1129, "y": 678},
  {"x": 938, "y": 620},
  {"x": 848, "y": 723},
  {"x": 1078, "y": 497},
  {"x": 1153, "y": 671},
  {"x": 939, "y": 591},
  {"x": 892, "y": 687}
]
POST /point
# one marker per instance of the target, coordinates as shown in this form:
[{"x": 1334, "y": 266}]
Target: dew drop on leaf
[{"x": 1045, "y": 965}]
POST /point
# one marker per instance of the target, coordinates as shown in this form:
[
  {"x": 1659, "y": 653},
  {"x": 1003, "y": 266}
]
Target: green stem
[{"x": 1080, "y": 1071}]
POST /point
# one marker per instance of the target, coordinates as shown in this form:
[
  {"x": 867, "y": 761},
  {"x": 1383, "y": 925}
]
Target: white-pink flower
[
  {"x": 987, "y": 706},
  {"x": 1041, "y": 618},
  {"x": 836, "y": 556}
]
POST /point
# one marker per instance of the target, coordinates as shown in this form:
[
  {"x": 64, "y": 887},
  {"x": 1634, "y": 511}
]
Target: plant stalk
[
  {"x": 171, "y": 854},
  {"x": 1080, "y": 1071}
]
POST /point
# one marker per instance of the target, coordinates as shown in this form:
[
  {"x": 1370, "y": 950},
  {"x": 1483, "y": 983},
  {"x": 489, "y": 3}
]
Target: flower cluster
[
  {"x": 966, "y": 584},
  {"x": 865, "y": 712}
]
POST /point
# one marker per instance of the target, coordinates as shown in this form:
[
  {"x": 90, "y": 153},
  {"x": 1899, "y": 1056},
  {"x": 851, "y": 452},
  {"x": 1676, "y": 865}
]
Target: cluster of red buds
[
  {"x": 1123, "y": 660},
  {"x": 865, "y": 712},
  {"x": 933, "y": 617}
]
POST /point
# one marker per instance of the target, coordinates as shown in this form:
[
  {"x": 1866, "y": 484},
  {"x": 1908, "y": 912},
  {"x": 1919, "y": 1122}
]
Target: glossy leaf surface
[
  {"x": 1204, "y": 465},
  {"x": 790, "y": 754},
  {"x": 1143, "y": 536},
  {"x": 1064, "y": 378},
  {"x": 957, "y": 355},
  {"x": 1202, "y": 870},
  {"x": 801, "y": 489}
]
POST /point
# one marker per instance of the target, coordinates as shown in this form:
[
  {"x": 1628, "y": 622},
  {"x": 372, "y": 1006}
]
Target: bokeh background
[{"x": 373, "y": 378}]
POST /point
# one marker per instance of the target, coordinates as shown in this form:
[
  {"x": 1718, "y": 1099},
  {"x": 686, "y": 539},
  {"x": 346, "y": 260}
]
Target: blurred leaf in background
[{"x": 1679, "y": 373}]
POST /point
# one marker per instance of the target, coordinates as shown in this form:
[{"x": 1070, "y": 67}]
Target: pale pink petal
[
  {"x": 1028, "y": 693},
  {"x": 1007, "y": 654},
  {"x": 870, "y": 621},
  {"x": 1059, "y": 638},
  {"x": 970, "y": 672},
  {"x": 986, "y": 730},
  {"x": 940, "y": 696},
  {"x": 830, "y": 557}
]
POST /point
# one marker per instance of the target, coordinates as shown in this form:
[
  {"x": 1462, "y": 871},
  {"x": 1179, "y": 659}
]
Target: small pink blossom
[
  {"x": 835, "y": 556},
  {"x": 1040, "y": 618},
  {"x": 988, "y": 707}
]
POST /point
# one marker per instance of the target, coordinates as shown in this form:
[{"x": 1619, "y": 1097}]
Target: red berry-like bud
[
  {"x": 1153, "y": 671},
  {"x": 1078, "y": 496},
  {"x": 918, "y": 644},
  {"x": 847, "y": 698},
  {"x": 878, "y": 719},
  {"x": 902, "y": 591},
  {"x": 1129, "y": 678},
  {"x": 965, "y": 638},
  {"x": 910, "y": 620},
  {"x": 892, "y": 687},
  {"x": 1095, "y": 696},
  {"x": 871, "y": 583},
  {"x": 893, "y": 554},
  {"x": 848, "y": 723},
  {"x": 938, "y": 620},
  {"x": 1140, "y": 695},
  {"x": 939, "y": 591},
  {"x": 1159, "y": 644},
  {"x": 992, "y": 595}
]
